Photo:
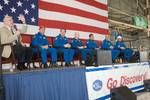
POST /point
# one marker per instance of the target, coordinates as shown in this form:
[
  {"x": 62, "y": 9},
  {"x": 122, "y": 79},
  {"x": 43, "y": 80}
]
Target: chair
[
  {"x": 12, "y": 56},
  {"x": 36, "y": 56}
]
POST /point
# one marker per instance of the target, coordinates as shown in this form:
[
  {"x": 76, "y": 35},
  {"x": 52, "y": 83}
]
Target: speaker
[
  {"x": 147, "y": 85},
  {"x": 103, "y": 57},
  {"x": 122, "y": 93},
  {"x": 143, "y": 56}
]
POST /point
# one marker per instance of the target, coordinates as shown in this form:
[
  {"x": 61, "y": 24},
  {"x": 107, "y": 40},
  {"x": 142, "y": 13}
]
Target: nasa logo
[{"x": 97, "y": 85}]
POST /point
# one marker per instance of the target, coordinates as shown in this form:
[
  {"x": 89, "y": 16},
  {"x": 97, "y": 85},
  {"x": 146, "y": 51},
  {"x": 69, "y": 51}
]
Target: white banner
[{"x": 103, "y": 78}]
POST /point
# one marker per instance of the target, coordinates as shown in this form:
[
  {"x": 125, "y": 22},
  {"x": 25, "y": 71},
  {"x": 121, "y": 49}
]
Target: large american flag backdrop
[{"x": 84, "y": 16}]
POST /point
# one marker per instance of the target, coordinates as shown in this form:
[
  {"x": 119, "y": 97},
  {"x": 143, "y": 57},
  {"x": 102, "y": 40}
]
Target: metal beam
[
  {"x": 121, "y": 12},
  {"x": 125, "y": 24},
  {"x": 148, "y": 17}
]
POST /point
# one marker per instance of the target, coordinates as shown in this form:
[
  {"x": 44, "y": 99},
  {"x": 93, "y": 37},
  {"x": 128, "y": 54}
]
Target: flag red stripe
[
  {"x": 71, "y": 26},
  {"x": 27, "y": 38},
  {"x": 94, "y": 3},
  {"x": 64, "y": 9}
]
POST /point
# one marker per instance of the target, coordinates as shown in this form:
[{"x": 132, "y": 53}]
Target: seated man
[
  {"x": 42, "y": 42},
  {"x": 62, "y": 44},
  {"x": 107, "y": 45},
  {"x": 91, "y": 46},
  {"x": 125, "y": 53},
  {"x": 10, "y": 34},
  {"x": 77, "y": 45}
]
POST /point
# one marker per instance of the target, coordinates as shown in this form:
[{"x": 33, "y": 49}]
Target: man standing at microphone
[{"x": 10, "y": 34}]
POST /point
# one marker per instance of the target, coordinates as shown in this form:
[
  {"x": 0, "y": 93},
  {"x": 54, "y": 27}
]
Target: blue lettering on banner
[{"x": 97, "y": 85}]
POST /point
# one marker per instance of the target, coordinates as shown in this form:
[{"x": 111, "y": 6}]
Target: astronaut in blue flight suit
[
  {"x": 91, "y": 46},
  {"x": 78, "y": 46},
  {"x": 125, "y": 53},
  {"x": 108, "y": 45},
  {"x": 41, "y": 41},
  {"x": 63, "y": 46}
]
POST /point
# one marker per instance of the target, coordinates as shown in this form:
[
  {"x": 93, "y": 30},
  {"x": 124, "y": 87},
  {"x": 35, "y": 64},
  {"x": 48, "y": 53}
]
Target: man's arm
[{"x": 24, "y": 27}]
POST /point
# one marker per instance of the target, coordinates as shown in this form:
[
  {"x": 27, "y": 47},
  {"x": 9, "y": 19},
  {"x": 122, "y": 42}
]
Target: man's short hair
[
  {"x": 6, "y": 17},
  {"x": 40, "y": 27},
  {"x": 62, "y": 29},
  {"x": 90, "y": 35}
]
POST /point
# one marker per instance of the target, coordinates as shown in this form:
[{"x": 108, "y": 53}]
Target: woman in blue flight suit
[
  {"x": 91, "y": 46},
  {"x": 107, "y": 45},
  {"x": 125, "y": 53},
  {"x": 62, "y": 44},
  {"x": 41, "y": 41}
]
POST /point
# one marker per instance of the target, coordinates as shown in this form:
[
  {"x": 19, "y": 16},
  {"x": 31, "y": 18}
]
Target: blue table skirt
[{"x": 58, "y": 84}]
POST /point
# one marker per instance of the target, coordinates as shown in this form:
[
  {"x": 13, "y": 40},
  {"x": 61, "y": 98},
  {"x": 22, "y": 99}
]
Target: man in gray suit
[{"x": 10, "y": 34}]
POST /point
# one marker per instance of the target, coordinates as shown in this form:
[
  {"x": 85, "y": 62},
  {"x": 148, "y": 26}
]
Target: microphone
[
  {"x": 15, "y": 27},
  {"x": 20, "y": 22}
]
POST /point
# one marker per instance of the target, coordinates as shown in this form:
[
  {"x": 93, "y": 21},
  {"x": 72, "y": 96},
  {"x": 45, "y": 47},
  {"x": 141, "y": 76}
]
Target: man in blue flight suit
[
  {"x": 63, "y": 46},
  {"x": 108, "y": 45},
  {"x": 91, "y": 46},
  {"x": 125, "y": 53},
  {"x": 42, "y": 42},
  {"x": 78, "y": 47}
]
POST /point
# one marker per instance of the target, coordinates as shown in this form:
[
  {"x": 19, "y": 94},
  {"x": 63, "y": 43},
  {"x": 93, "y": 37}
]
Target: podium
[
  {"x": 103, "y": 57},
  {"x": 144, "y": 56}
]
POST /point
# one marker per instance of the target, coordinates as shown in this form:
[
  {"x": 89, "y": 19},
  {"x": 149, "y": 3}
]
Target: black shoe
[
  {"x": 67, "y": 64},
  {"x": 45, "y": 66},
  {"x": 70, "y": 64},
  {"x": 54, "y": 65},
  {"x": 35, "y": 67},
  {"x": 19, "y": 67},
  {"x": 24, "y": 67}
]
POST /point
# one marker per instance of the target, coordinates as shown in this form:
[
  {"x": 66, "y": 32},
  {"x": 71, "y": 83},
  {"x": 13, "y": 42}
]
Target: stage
[{"x": 74, "y": 83}]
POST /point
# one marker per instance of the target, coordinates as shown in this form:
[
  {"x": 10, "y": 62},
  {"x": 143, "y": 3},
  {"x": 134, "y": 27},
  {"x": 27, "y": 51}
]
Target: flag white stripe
[
  {"x": 102, "y": 1},
  {"x": 79, "y": 5},
  {"x": 49, "y": 15},
  {"x": 53, "y": 32}
]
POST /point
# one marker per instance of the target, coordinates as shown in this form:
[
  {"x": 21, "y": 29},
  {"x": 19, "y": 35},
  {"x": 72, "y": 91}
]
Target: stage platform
[{"x": 74, "y": 83}]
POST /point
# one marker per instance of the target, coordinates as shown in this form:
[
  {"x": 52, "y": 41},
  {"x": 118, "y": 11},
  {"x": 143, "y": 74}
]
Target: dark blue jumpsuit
[
  {"x": 59, "y": 44},
  {"x": 41, "y": 40},
  {"x": 90, "y": 50},
  {"x": 127, "y": 52},
  {"x": 78, "y": 43}
]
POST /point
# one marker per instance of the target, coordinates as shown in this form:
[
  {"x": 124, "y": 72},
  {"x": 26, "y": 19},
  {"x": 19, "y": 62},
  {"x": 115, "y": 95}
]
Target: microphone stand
[{"x": 2, "y": 92}]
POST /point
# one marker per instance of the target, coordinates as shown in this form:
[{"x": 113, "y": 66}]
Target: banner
[
  {"x": 103, "y": 78},
  {"x": 140, "y": 21}
]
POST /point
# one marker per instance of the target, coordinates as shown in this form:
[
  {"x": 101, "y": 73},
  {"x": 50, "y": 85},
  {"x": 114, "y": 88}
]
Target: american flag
[{"x": 85, "y": 16}]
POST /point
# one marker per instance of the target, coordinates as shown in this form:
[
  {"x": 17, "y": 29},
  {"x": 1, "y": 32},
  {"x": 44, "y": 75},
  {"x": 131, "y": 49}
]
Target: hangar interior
[{"x": 121, "y": 14}]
